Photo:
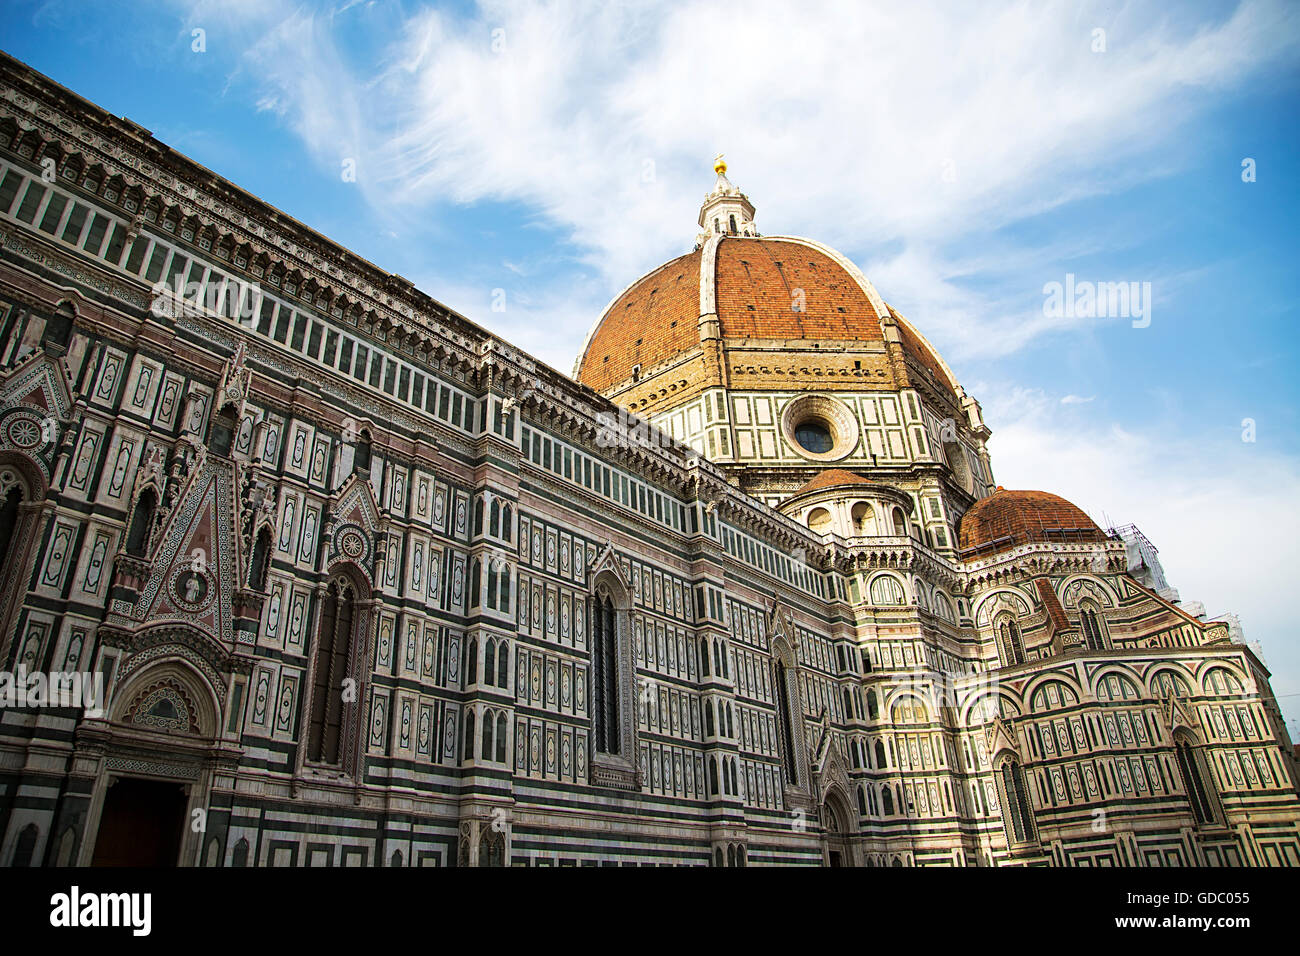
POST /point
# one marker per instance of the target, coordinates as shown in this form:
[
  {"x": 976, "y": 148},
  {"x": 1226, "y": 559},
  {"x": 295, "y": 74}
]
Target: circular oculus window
[
  {"x": 814, "y": 435},
  {"x": 820, "y": 427}
]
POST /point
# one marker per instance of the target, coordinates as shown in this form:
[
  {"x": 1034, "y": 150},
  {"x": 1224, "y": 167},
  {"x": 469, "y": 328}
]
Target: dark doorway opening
[
  {"x": 141, "y": 825},
  {"x": 835, "y": 858}
]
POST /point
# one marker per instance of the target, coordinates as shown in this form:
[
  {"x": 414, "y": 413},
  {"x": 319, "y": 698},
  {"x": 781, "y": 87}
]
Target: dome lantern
[{"x": 726, "y": 211}]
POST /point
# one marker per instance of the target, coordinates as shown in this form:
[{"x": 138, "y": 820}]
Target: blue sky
[{"x": 963, "y": 155}]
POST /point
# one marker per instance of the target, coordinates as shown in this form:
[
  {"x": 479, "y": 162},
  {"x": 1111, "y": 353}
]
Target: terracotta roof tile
[
  {"x": 652, "y": 321},
  {"x": 758, "y": 283},
  {"x": 832, "y": 477},
  {"x": 1016, "y": 517}
]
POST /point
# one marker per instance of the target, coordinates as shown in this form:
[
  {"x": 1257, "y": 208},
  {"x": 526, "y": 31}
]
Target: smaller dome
[
  {"x": 832, "y": 478},
  {"x": 1006, "y": 519}
]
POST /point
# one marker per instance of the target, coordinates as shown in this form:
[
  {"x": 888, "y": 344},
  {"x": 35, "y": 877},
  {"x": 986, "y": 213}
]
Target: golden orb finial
[{"x": 719, "y": 166}]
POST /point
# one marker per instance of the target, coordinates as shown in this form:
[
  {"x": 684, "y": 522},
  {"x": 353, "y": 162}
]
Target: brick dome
[
  {"x": 832, "y": 478},
  {"x": 1006, "y": 519},
  {"x": 751, "y": 282}
]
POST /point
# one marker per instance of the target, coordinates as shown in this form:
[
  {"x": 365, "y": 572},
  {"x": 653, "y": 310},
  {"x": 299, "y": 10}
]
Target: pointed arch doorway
[{"x": 836, "y": 847}]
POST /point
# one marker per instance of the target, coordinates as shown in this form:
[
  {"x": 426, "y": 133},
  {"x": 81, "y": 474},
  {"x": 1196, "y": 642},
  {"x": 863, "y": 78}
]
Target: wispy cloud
[
  {"x": 863, "y": 125},
  {"x": 915, "y": 137}
]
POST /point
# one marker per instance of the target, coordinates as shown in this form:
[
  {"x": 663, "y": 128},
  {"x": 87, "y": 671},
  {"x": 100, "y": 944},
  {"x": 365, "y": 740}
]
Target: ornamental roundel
[
  {"x": 24, "y": 432},
  {"x": 192, "y": 589},
  {"x": 351, "y": 543}
]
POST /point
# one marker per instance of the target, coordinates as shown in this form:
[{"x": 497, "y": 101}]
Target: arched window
[
  {"x": 888, "y": 801},
  {"x": 603, "y": 644},
  {"x": 862, "y": 800},
  {"x": 25, "y": 847},
  {"x": 605, "y": 656},
  {"x": 507, "y": 522},
  {"x": 494, "y": 522},
  {"x": 819, "y": 520},
  {"x": 361, "y": 453},
  {"x": 471, "y": 662},
  {"x": 1017, "y": 813},
  {"x": 475, "y": 582},
  {"x": 137, "y": 536},
  {"x": 503, "y": 664},
  {"x": 223, "y": 431},
  {"x": 261, "y": 560},
  {"x": 501, "y": 737},
  {"x": 704, "y": 656},
  {"x": 880, "y": 755},
  {"x": 1093, "y": 632},
  {"x": 489, "y": 725},
  {"x": 469, "y": 736},
  {"x": 708, "y": 718},
  {"x": 785, "y": 722},
  {"x": 493, "y": 850},
  {"x": 9, "y": 521},
  {"x": 713, "y": 775},
  {"x": 612, "y": 704},
  {"x": 863, "y": 519},
  {"x": 1199, "y": 795},
  {"x": 58, "y": 328},
  {"x": 873, "y": 707},
  {"x": 1011, "y": 646},
  {"x": 733, "y": 222},
  {"x": 900, "y": 523},
  {"x": 332, "y": 663},
  {"x": 490, "y": 662},
  {"x": 503, "y": 575},
  {"x": 887, "y": 590}
]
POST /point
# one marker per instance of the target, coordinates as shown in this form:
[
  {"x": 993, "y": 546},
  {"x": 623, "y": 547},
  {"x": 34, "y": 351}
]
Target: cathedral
[{"x": 340, "y": 578}]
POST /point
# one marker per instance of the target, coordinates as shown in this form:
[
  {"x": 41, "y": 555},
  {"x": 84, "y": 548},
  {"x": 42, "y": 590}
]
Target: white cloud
[{"x": 840, "y": 120}]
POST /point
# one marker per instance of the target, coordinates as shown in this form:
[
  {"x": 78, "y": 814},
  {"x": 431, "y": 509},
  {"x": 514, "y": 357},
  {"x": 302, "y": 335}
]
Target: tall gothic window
[
  {"x": 333, "y": 650},
  {"x": 1017, "y": 814},
  {"x": 604, "y": 681},
  {"x": 223, "y": 431},
  {"x": 503, "y": 664},
  {"x": 785, "y": 723},
  {"x": 1194, "y": 783},
  {"x": 361, "y": 453},
  {"x": 137, "y": 536},
  {"x": 9, "y": 520},
  {"x": 261, "y": 560},
  {"x": 1011, "y": 646},
  {"x": 1092, "y": 628}
]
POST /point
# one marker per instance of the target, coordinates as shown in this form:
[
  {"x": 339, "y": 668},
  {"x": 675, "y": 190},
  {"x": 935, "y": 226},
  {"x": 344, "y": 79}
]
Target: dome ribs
[{"x": 1007, "y": 519}]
